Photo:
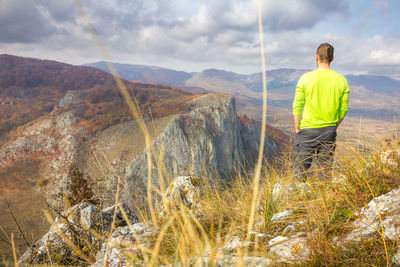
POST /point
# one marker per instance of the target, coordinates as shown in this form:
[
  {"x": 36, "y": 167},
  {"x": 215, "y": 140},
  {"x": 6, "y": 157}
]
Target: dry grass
[
  {"x": 326, "y": 211},
  {"x": 26, "y": 205}
]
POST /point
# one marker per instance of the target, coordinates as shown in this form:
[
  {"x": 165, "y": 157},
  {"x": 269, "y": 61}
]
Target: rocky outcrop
[
  {"x": 54, "y": 143},
  {"x": 209, "y": 141},
  {"x": 75, "y": 236}
]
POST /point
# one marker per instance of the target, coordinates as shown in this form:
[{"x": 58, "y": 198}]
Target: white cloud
[{"x": 199, "y": 34}]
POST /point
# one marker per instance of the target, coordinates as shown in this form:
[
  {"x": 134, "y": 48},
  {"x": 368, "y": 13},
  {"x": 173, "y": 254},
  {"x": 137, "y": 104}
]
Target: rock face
[
  {"x": 208, "y": 141},
  {"x": 54, "y": 141}
]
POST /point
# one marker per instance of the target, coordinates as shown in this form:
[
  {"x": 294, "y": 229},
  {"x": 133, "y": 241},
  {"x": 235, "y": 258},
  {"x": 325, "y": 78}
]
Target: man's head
[{"x": 325, "y": 53}]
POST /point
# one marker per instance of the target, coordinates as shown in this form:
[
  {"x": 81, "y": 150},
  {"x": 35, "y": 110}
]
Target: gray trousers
[{"x": 318, "y": 142}]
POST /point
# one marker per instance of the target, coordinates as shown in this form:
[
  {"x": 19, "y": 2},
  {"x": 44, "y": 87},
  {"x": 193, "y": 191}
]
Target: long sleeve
[
  {"x": 344, "y": 101},
  {"x": 299, "y": 98}
]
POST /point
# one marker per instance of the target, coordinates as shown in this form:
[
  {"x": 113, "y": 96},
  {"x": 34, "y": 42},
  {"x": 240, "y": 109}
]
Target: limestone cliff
[
  {"x": 208, "y": 141},
  {"x": 205, "y": 139}
]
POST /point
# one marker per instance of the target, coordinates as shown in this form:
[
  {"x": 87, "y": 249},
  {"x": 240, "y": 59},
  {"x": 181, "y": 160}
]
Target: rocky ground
[{"x": 126, "y": 240}]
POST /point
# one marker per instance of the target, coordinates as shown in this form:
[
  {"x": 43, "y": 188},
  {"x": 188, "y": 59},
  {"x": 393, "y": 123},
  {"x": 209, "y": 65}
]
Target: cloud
[
  {"x": 194, "y": 34},
  {"x": 282, "y": 15},
  {"x": 376, "y": 55},
  {"x": 30, "y": 20},
  {"x": 22, "y": 21}
]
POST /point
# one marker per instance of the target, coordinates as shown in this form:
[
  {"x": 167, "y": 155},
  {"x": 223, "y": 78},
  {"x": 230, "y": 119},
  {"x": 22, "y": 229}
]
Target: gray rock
[
  {"x": 53, "y": 242},
  {"x": 50, "y": 241},
  {"x": 88, "y": 216},
  {"x": 124, "y": 245},
  {"x": 282, "y": 215},
  {"x": 285, "y": 249},
  {"x": 290, "y": 228},
  {"x": 368, "y": 218},
  {"x": 108, "y": 214},
  {"x": 183, "y": 190},
  {"x": 277, "y": 239},
  {"x": 71, "y": 98},
  {"x": 227, "y": 260},
  {"x": 234, "y": 242}
]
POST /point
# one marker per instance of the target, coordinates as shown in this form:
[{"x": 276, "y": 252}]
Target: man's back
[{"x": 324, "y": 95}]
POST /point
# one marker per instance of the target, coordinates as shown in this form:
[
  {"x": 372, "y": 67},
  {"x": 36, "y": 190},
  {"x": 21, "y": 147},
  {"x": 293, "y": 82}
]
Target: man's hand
[{"x": 296, "y": 119}]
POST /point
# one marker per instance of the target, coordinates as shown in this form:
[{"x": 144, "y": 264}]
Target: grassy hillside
[{"x": 30, "y": 88}]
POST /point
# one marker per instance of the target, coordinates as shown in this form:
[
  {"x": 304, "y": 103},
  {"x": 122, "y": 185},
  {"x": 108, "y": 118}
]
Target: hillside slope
[
  {"x": 30, "y": 88},
  {"x": 48, "y": 110}
]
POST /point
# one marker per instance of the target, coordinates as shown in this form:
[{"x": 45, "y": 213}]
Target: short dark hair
[{"x": 325, "y": 52}]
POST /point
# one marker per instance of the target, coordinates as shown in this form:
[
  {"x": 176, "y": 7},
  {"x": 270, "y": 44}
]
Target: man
[{"x": 323, "y": 96}]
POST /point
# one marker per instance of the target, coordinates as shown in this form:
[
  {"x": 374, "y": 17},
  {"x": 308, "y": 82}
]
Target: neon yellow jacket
[{"x": 324, "y": 95}]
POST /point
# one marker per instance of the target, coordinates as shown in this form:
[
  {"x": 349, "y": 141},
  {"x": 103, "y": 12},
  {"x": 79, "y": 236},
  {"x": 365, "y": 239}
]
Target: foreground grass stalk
[
  {"x": 113, "y": 221},
  {"x": 49, "y": 255},
  {"x": 154, "y": 255},
  {"x": 16, "y": 222},
  {"x": 204, "y": 236},
  {"x": 257, "y": 174},
  {"x": 14, "y": 250},
  {"x": 380, "y": 220},
  {"x": 8, "y": 241},
  {"x": 149, "y": 185}
]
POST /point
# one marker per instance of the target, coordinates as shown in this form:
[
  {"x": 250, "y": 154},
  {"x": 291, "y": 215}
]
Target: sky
[{"x": 201, "y": 34}]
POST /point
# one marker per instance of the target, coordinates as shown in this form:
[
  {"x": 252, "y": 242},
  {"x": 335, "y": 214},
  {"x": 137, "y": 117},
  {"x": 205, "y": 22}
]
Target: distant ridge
[
  {"x": 146, "y": 74},
  {"x": 373, "y": 96}
]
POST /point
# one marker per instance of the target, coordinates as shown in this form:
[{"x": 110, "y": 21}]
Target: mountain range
[{"x": 372, "y": 96}]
